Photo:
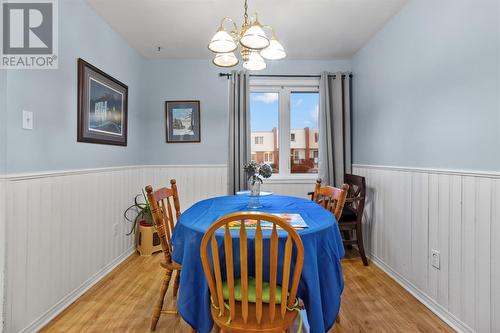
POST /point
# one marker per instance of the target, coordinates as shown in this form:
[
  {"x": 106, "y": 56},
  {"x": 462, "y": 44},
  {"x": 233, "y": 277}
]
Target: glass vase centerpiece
[{"x": 257, "y": 172}]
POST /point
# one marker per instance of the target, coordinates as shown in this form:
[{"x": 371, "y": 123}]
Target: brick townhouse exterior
[{"x": 303, "y": 148}]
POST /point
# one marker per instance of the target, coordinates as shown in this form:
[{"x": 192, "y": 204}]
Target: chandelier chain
[{"x": 246, "y": 14}]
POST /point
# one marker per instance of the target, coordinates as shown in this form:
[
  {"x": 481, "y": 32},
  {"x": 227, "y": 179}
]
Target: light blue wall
[
  {"x": 426, "y": 88},
  {"x": 52, "y": 96},
  {"x": 199, "y": 80}
]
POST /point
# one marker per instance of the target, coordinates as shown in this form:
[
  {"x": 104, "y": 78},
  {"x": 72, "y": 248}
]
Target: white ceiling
[{"x": 308, "y": 29}]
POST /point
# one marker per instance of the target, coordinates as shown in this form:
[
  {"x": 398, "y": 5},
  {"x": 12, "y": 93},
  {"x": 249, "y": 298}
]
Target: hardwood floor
[{"x": 123, "y": 301}]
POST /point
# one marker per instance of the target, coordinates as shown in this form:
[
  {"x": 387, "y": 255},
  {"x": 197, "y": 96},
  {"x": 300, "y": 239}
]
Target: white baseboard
[
  {"x": 437, "y": 309},
  {"x": 45, "y": 318}
]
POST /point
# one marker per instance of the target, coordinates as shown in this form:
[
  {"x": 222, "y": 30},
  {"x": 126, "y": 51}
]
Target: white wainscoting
[
  {"x": 409, "y": 212},
  {"x": 65, "y": 231}
]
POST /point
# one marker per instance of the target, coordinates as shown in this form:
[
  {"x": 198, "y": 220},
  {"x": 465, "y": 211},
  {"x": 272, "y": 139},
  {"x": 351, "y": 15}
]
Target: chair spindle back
[
  {"x": 161, "y": 202},
  {"x": 356, "y": 194},
  {"x": 331, "y": 198},
  {"x": 214, "y": 276}
]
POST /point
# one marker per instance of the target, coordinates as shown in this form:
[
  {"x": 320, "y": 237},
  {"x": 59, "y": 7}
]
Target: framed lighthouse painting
[{"x": 102, "y": 107}]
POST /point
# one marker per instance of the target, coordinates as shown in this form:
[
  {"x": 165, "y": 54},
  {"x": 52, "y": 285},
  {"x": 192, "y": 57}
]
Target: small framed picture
[
  {"x": 102, "y": 107},
  {"x": 183, "y": 121}
]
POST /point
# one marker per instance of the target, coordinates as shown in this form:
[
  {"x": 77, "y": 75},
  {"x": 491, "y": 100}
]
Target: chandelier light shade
[
  {"x": 225, "y": 59},
  {"x": 222, "y": 42},
  {"x": 254, "y": 37},
  {"x": 274, "y": 51},
  {"x": 254, "y": 44},
  {"x": 254, "y": 62}
]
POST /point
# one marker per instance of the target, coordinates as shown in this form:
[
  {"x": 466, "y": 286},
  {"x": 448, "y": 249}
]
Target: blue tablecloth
[{"x": 321, "y": 282}]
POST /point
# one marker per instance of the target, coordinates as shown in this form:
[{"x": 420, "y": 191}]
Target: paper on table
[{"x": 294, "y": 220}]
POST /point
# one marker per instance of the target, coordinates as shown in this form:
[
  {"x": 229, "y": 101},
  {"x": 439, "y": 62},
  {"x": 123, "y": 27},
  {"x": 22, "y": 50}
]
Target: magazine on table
[{"x": 294, "y": 220}]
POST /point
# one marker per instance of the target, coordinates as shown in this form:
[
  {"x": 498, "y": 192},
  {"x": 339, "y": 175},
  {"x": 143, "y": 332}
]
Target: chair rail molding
[
  {"x": 464, "y": 172},
  {"x": 57, "y": 173},
  {"x": 410, "y": 212}
]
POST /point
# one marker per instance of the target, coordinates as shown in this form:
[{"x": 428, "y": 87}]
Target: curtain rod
[{"x": 228, "y": 75}]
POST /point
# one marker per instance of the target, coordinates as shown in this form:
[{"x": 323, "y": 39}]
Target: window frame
[{"x": 285, "y": 87}]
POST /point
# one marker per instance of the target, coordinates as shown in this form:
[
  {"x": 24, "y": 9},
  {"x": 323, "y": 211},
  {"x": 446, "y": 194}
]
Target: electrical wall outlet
[{"x": 435, "y": 259}]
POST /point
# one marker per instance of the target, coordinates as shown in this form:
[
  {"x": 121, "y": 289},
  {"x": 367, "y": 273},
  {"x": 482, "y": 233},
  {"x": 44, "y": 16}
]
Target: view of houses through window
[
  {"x": 264, "y": 115},
  {"x": 301, "y": 126},
  {"x": 304, "y": 112}
]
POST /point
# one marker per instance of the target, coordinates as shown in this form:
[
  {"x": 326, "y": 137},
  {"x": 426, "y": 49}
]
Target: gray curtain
[
  {"x": 335, "y": 127},
  {"x": 239, "y": 131}
]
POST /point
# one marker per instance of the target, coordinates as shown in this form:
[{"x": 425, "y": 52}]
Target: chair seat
[
  {"x": 265, "y": 325},
  {"x": 237, "y": 325},
  {"x": 348, "y": 214},
  {"x": 173, "y": 265},
  {"x": 251, "y": 291}
]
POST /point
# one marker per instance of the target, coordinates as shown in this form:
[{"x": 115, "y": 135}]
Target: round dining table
[{"x": 321, "y": 282}]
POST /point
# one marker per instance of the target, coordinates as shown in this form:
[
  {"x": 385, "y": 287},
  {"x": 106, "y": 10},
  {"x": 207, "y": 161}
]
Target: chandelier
[{"x": 255, "y": 45}]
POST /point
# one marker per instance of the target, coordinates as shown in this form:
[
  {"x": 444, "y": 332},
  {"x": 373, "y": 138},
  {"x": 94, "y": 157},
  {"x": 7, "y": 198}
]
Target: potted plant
[{"x": 139, "y": 215}]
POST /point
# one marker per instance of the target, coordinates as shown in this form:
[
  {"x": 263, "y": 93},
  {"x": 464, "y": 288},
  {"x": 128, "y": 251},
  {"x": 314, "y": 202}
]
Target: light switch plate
[
  {"x": 435, "y": 259},
  {"x": 27, "y": 120}
]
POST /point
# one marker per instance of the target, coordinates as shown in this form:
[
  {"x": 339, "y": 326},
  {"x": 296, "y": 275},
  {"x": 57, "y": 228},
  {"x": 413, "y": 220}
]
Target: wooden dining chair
[
  {"x": 161, "y": 202},
  {"x": 248, "y": 304},
  {"x": 330, "y": 197},
  {"x": 352, "y": 216}
]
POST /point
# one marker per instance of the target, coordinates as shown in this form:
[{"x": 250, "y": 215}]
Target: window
[
  {"x": 264, "y": 122},
  {"x": 315, "y": 156},
  {"x": 304, "y": 112},
  {"x": 259, "y": 140},
  {"x": 284, "y": 114}
]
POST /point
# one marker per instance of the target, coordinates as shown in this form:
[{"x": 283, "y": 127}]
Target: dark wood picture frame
[
  {"x": 88, "y": 132},
  {"x": 194, "y": 105}
]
